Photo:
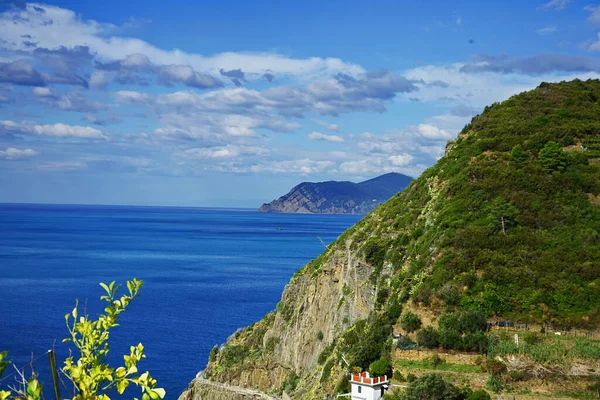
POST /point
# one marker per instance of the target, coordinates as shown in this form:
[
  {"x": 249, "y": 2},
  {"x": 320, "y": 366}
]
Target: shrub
[
  {"x": 428, "y": 337},
  {"x": 434, "y": 387},
  {"x": 343, "y": 385},
  {"x": 475, "y": 342},
  {"x": 436, "y": 360},
  {"x": 291, "y": 382},
  {"x": 326, "y": 371},
  {"x": 320, "y": 335},
  {"x": 212, "y": 356},
  {"x": 472, "y": 321},
  {"x": 450, "y": 339},
  {"x": 87, "y": 368},
  {"x": 381, "y": 367},
  {"x": 394, "y": 310},
  {"x": 398, "y": 376},
  {"x": 411, "y": 377},
  {"x": 449, "y": 321},
  {"x": 410, "y": 322},
  {"x": 479, "y": 395}
]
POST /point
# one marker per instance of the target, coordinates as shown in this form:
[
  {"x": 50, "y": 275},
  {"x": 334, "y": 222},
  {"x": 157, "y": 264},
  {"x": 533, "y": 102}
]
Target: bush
[
  {"x": 326, "y": 371},
  {"x": 434, "y": 387},
  {"x": 475, "y": 342},
  {"x": 479, "y": 395},
  {"x": 212, "y": 356},
  {"x": 411, "y": 377},
  {"x": 343, "y": 385},
  {"x": 410, "y": 322},
  {"x": 436, "y": 360},
  {"x": 449, "y": 321},
  {"x": 394, "y": 310},
  {"x": 291, "y": 382},
  {"x": 450, "y": 339},
  {"x": 428, "y": 337},
  {"x": 320, "y": 335},
  {"x": 472, "y": 321},
  {"x": 398, "y": 376},
  {"x": 381, "y": 367}
]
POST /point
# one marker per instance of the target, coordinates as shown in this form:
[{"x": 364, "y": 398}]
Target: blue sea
[{"x": 207, "y": 272}]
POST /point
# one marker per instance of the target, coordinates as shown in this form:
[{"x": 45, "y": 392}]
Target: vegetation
[
  {"x": 444, "y": 366},
  {"x": 507, "y": 215},
  {"x": 410, "y": 322},
  {"x": 430, "y": 387},
  {"x": 91, "y": 375}
]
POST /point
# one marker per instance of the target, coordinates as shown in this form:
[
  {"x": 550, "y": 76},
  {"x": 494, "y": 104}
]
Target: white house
[{"x": 366, "y": 388}]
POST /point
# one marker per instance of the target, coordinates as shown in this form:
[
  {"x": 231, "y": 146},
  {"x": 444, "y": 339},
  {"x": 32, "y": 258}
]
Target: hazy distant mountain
[{"x": 333, "y": 197}]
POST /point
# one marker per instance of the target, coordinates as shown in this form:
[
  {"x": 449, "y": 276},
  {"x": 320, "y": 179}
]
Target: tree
[
  {"x": 90, "y": 374},
  {"x": 517, "y": 156},
  {"x": 503, "y": 214},
  {"x": 410, "y": 322},
  {"x": 553, "y": 157},
  {"x": 381, "y": 367},
  {"x": 428, "y": 337}
]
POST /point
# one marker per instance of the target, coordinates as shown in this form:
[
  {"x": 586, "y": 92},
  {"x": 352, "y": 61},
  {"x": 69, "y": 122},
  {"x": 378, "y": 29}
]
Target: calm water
[{"x": 207, "y": 272}]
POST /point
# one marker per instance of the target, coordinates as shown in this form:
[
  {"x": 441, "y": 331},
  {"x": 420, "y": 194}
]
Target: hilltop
[
  {"x": 333, "y": 197},
  {"x": 506, "y": 226}
]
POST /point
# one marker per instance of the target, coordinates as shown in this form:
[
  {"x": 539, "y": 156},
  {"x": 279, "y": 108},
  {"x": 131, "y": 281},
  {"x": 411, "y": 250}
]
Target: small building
[{"x": 366, "y": 388}]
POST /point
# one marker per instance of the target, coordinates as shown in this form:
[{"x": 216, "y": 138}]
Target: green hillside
[
  {"x": 504, "y": 226},
  {"x": 508, "y": 221}
]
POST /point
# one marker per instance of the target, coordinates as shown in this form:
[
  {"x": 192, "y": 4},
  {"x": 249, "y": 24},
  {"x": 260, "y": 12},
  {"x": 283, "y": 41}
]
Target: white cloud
[
  {"x": 547, "y": 30},
  {"x": 328, "y": 138},
  {"x": 221, "y": 152},
  {"x": 12, "y": 153},
  {"x": 594, "y": 11},
  {"x": 555, "y": 4},
  {"x": 62, "y": 166},
  {"x": 329, "y": 126},
  {"x": 429, "y": 131},
  {"x": 57, "y": 27},
  {"x": 58, "y": 130},
  {"x": 42, "y": 91}
]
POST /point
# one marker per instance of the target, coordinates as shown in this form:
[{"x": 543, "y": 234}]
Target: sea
[{"x": 206, "y": 272}]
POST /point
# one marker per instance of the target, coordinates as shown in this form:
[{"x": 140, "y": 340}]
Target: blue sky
[{"x": 232, "y": 103}]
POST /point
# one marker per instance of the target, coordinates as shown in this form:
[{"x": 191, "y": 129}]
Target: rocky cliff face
[
  {"x": 324, "y": 298},
  {"x": 338, "y": 197}
]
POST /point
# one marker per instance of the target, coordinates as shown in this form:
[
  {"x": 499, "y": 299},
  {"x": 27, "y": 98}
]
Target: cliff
[
  {"x": 506, "y": 224},
  {"x": 338, "y": 197}
]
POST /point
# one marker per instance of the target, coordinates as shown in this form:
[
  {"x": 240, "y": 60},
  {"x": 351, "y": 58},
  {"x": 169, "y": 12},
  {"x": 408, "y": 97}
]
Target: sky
[{"x": 232, "y": 103}]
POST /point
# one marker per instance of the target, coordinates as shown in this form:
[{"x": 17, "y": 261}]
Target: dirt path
[{"x": 236, "y": 389}]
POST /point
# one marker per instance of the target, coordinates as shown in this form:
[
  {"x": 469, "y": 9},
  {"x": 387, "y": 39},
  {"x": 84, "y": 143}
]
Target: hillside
[
  {"x": 505, "y": 226},
  {"x": 334, "y": 197}
]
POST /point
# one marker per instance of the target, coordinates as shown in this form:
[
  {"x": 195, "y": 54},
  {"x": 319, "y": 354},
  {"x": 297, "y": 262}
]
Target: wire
[{"x": 22, "y": 367}]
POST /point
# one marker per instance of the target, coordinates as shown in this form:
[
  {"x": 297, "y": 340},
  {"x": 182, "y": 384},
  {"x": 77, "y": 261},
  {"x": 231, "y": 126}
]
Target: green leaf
[
  {"x": 122, "y": 385},
  {"x": 106, "y": 289},
  {"x": 161, "y": 392}
]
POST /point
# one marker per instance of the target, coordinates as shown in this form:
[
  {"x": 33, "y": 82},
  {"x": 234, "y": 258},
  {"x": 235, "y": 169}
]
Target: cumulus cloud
[
  {"x": 58, "y": 26},
  {"x": 328, "y": 138},
  {"x": 20, "y": 73},
  {"x": 222, "y": 152},
  {"x": 535, "y": 65},
  {"x": 58, "y": 130},
  {"x": 327, "y": 125},
  {"x": 13, "y": 154}
]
